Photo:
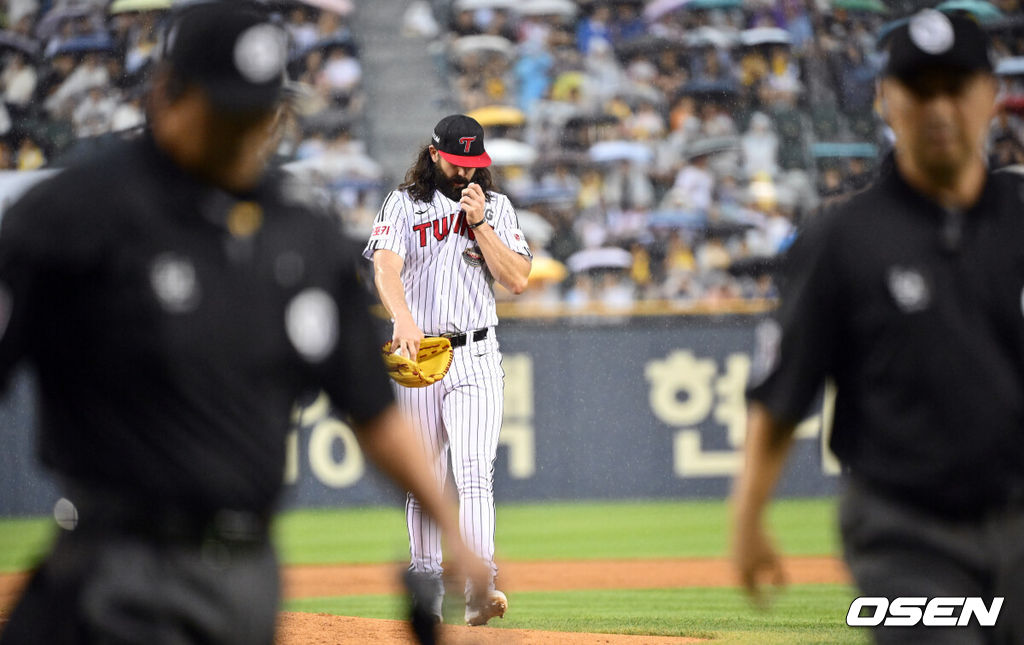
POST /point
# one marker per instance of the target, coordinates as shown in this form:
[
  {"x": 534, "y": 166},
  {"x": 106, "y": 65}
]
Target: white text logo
[{"x": 869, "y": 611}]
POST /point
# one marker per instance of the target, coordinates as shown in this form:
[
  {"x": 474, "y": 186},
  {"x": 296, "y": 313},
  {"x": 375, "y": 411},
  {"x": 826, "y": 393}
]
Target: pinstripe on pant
[{"x": 461, "y": 414}]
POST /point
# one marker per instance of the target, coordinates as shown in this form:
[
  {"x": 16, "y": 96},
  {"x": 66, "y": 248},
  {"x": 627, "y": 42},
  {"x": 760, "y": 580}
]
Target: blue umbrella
[
  {"x": 100, "y": 43},
  {"x": 981, "y": 10},
  {"x": 860, "y": 149},
  {"x": 678, "y": 219}
]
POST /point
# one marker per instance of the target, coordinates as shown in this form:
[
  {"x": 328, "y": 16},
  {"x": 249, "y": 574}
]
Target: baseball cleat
[{"x": 495, "y": 604}]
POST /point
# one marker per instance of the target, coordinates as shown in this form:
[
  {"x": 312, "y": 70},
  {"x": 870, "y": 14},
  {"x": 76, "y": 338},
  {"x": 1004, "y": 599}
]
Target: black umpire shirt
[
  {"x": 172, "y": 326},
  {"x": 917, "y": 314}
]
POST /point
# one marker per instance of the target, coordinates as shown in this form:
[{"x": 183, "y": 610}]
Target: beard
[{"x": 450, "y": 187}]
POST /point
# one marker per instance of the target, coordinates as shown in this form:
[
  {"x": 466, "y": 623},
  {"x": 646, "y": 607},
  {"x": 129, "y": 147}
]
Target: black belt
[
  {"x": 458, "y": 340},
  {"x": 167, "y": 523}
]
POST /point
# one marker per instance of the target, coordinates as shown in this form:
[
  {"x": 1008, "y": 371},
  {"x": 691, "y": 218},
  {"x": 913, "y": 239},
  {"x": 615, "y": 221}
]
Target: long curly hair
[{"x": 420, "y": 179}]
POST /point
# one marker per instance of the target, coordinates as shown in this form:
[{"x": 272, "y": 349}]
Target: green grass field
[{"x": 622, "y": 530}]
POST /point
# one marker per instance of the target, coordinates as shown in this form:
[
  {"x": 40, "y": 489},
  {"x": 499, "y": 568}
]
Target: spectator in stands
[
  {"x": 856, "y": 83},
  {"x": 129, "y": 113},
  {"x": 90, "y": 73},
  {"x": 595, "y": 26},
  {"x": 464, "y": 24},
  {"x": 533, "y": 74},
  {"x": 760, "y": 146},
  {"x": 30, "y": 154},
  {"x": 301, "y": 29},
  {"x": 858, "y": 174},
  {"x": 92, "y": 115},
  {"x": 341, "y": 72},
  {"x": 18, "y": 81},
  {"x": 693, "y": 188}
]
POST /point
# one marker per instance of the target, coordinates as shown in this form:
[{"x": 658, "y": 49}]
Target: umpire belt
[
  {"x": 164, "y": 523},
  {"x": 458, "y": 340}
]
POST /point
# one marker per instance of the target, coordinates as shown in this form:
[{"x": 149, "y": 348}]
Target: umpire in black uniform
[
  {"x": 174, "y": 299},
  {"x": 909, "y": 297}
]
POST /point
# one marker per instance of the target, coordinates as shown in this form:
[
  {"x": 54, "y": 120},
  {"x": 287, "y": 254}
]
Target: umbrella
[
  {"x": 660, "y": 8},
  {"x": 565, "y": 8},
  {"x": 545, "y": 269},
  {"x": 509, "y": 152},
  {"x": 869, "y": 6},
  {"x": 637, "y": 93},
  {"x": 715, "y": 4},
  {"x": 536, "y": 229},
  {"x": 489, "y": 43},
  {"x": 547, "y": 195},
  {"x": 711, "y": 145},
  {"x": 125, "y": 6},
  {"x": 1013, "y": 66},
  {"x": 863, "y": 149},
  {"x": 765, "y": 36},
  {"x": 15, "y": 41},
  {"x": 54, "y": 18},
  {"x": 605, "y": 257},
  {"x": 710, "y": 37},
  {"x": 885, "y": 30},
  {"x": 709, "y": 90},
  {"x": 99, "y": 43},
  {"x": 561, "y": 157},
  {"x": 336, "y": 41},
  {"x": 648, "y": 44},
  {"x": 677, "y": 219},
  {"x": 982, "y": 11},
  {"x": 340, "y": 7},
  {"x": 501, "y": 115},
  {"x": 586, "y": 120},
  {"x": 473, "y": 5},
  {"x": 756, "y": 266},
  {"x": 620, "y": 150}
]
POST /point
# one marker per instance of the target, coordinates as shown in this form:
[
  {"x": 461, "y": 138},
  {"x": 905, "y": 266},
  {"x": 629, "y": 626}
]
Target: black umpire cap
[
  {"x": 930, "y": 39},
  {"x": 231, "y": 50}
]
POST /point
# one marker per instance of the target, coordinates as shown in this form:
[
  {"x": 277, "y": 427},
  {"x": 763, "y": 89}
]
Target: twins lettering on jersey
[{"x": 441, "y": 227}]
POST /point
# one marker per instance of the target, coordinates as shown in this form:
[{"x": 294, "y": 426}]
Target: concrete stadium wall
[{"x": 649, "y": 408}]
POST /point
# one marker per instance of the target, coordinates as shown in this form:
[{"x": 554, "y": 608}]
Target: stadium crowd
[
  {"x": 693, "y": 134},
  {"x": 73, "y": 71},
  {"x": 665, "y": 149}
]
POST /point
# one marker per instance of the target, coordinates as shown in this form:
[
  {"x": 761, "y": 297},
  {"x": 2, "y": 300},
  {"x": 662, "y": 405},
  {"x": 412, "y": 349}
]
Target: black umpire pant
[
  {"x": 151, "y": 580},
  {"x": 894, "y": 549}
]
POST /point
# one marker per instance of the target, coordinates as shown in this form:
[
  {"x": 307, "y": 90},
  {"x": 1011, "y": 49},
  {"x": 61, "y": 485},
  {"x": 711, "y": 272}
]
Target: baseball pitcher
[{"x": 438, "y": 244}]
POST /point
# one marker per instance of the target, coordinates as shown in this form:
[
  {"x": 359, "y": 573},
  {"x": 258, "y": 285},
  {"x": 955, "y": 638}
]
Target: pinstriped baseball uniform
[{"x": 449, "y": 290}]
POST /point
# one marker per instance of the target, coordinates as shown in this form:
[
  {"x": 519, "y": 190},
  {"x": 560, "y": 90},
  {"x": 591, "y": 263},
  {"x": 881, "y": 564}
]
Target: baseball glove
[{"x": 430, "y": 366}]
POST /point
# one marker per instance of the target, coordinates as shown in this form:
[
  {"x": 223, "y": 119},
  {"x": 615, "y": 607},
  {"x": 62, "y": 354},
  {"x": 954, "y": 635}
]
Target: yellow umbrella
[
  {"x": 124, "y": 6},
  {"x": 547, "y": 269},
  {"x": 564, "y": 85},
  {"x": 492, "y": 115}
]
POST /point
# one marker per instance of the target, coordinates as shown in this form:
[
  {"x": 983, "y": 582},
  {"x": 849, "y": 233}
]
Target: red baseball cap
[{"x": 459, "y": 139}]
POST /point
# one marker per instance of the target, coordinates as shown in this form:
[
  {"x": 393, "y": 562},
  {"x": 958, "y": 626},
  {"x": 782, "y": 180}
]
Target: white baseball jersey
[
  {"x": 448, "y": 289},
  {"x": 447, "y": 285}
]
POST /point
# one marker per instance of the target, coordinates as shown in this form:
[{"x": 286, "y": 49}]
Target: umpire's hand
[{"x": 755, "y": 558}]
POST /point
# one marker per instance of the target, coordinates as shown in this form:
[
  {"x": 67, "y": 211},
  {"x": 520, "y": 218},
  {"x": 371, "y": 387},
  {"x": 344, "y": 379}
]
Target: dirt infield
[{"x": 349, "y": 580}]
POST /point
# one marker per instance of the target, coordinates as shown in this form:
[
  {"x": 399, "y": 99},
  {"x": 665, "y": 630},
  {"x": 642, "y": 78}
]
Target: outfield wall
[{"x": 645, "y": 408}]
